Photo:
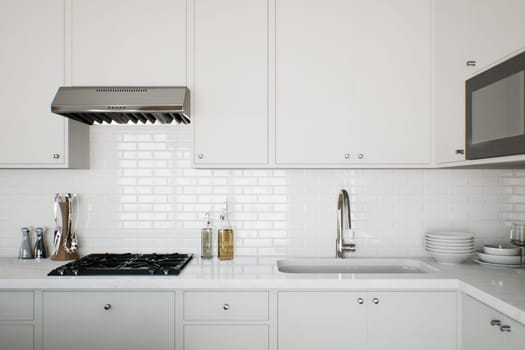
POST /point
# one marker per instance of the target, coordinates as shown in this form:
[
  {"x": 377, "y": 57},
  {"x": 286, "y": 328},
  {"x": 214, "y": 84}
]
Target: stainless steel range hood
[{"x": 123, "y": 104}]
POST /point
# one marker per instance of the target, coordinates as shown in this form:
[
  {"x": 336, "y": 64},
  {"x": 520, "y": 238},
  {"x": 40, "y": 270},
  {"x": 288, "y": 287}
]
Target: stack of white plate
[
  {"x": 500, "y": 255},
  {"x": 449, "y": 247}
]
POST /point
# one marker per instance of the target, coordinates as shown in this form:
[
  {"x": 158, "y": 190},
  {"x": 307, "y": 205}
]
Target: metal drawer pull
[
  {"x": 360, "y": 300},
  {"x": 505, "y": 328},
  {"x": 375, "y": 301},
  {"x": 495, "y": 322},
  {"x": 226, "y": 307},
  {"x": 107, "y": 306}
]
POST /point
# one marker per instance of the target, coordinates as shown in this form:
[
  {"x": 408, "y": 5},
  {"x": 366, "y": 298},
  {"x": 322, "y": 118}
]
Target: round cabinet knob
[
  {"x": 107, "y": 306},
  {"x": 375, "y": 301},
  {"x": 360, "y": 156},
  {"x": 495, "y": 323},
  {"x": 347, "y": 155},
  {"x": 56, "y": 156},
  {"x": 226, "y": 307},
  {"x": 360, "y": 301},
  {"x": 200, "y": 156},
  {"x": 505, "y": 328}
]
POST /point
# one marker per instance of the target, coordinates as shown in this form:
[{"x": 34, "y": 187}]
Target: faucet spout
[{"x": 343, "y": 223}]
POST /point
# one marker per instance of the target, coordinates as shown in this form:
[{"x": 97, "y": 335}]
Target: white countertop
[{"x": 502, "y": 289}]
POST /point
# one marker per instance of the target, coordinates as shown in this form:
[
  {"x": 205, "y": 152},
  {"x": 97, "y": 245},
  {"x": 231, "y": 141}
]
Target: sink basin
[{"x": 354, "y": 265}]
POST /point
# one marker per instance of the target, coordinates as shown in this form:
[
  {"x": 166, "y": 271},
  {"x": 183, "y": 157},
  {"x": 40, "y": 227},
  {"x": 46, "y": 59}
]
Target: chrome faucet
[{"x": 343, "y": 223}]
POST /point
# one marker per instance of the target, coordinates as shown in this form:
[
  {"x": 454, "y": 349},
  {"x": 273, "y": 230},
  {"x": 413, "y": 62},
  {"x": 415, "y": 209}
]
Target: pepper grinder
[
  {"x": 39, "y": 249},
  {"x": 25, "y": 251}
]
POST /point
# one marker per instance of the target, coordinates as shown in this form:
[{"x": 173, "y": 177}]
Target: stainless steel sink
[{"x": 354, "y": 265}]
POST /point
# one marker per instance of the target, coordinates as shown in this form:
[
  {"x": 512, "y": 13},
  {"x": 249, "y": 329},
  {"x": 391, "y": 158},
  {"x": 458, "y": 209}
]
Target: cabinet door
[
  {"x": 230, "y": 88},
  {"x": 477, "y": 331},
  {"x": 108, "y": 320},
  {"x": 238, "y": 337},
  {"x": 352, "y": 82},
  {"x": 321, "y": 320},
  {"x": 515, "y": 339},
  {"x": 18, "y": 337},
  {"x": 482, "y": 31},
  {"x": 32, "y": 68},
  {"x": 412, "y": 321},
  {"x": 121, "y": 42}
]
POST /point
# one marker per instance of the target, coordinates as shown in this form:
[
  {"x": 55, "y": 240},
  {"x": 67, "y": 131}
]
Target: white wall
[{"x": 142, "y": 195}]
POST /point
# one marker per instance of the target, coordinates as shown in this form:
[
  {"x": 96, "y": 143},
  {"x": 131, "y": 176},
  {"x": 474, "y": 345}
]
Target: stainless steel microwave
[{"x": 495, "y": 110}]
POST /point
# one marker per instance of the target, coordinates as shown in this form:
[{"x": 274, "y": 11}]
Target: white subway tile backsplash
[{"x": 141, "y": 195}]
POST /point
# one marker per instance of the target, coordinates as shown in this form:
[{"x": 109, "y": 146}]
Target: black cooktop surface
[{"x": 124, "y": 264}]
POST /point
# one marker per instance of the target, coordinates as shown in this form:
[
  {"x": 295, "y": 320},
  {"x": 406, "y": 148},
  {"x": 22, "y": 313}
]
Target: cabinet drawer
[
  {"x": 16, "y": 306},
  {"x": 108, "y": 320},
  {"x": 16, "y": 337},
  {"x": 225, "y": 306},
  {"x": 226, "y": 337}
]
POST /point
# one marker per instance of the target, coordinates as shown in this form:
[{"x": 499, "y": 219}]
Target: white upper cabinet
[
  {"x": 480, "y": 31},
  {"x": 122, "y": 42},
  {"x": 32, "y": 68},
  {"x": 230, "y": 82},
  {"x": 352, "y": 82}
]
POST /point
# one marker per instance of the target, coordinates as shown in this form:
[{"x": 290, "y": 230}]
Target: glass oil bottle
[
  {"x": 225, "y": 236},
  {"x": 207, "y": 240}
]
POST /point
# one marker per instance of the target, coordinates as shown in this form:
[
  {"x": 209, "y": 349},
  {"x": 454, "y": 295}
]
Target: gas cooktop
[{"x": 124, "y": 264}]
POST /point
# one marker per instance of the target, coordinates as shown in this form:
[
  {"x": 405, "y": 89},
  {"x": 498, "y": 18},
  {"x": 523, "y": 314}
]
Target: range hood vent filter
[{"x": 123, "y": 104}]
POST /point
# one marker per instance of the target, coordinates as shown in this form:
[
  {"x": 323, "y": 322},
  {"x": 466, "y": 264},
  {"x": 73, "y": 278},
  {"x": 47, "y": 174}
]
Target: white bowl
[
  {"x": 501, "y": 249},
  {"x": 449, "y": 235},
  {"x": 500, "y": 259},
  {"x": 449, "y": 258}
]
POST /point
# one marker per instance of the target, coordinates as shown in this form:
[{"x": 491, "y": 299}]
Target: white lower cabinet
[
  {"x": 367, "y": 320},
  {"x": 226, "y": 320},
  {"x": 16, "y": 320},
  {"x": 227, "y": 337},
  {"x": 321, "y": 320},
  {"x": 16, "y": 337},
  {"x": 412, "y": 320},
  {"x": 108, "y": 320},
  {"x": 485, "y": 328}
]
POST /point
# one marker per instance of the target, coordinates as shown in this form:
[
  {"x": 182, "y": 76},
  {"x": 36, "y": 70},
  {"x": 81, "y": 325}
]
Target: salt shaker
[
  {"x": 39, "y": 249},
  {"x": 25, "y": 251}
]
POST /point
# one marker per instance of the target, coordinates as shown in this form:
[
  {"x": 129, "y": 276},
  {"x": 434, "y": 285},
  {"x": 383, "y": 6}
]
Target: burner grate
[{"x": 124, "y": 264}]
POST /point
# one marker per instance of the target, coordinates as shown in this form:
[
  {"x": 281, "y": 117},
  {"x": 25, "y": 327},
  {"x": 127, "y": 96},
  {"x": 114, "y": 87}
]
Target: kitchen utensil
[
  {"x": 518, "y": 238},
  {"x": 501, "y": 249},
  {"x": 66, "y": 243},
  {"x": 25, "y": 251},
  {"x": 500, "y": 259},
  {"x": 39, "y": 248}
]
